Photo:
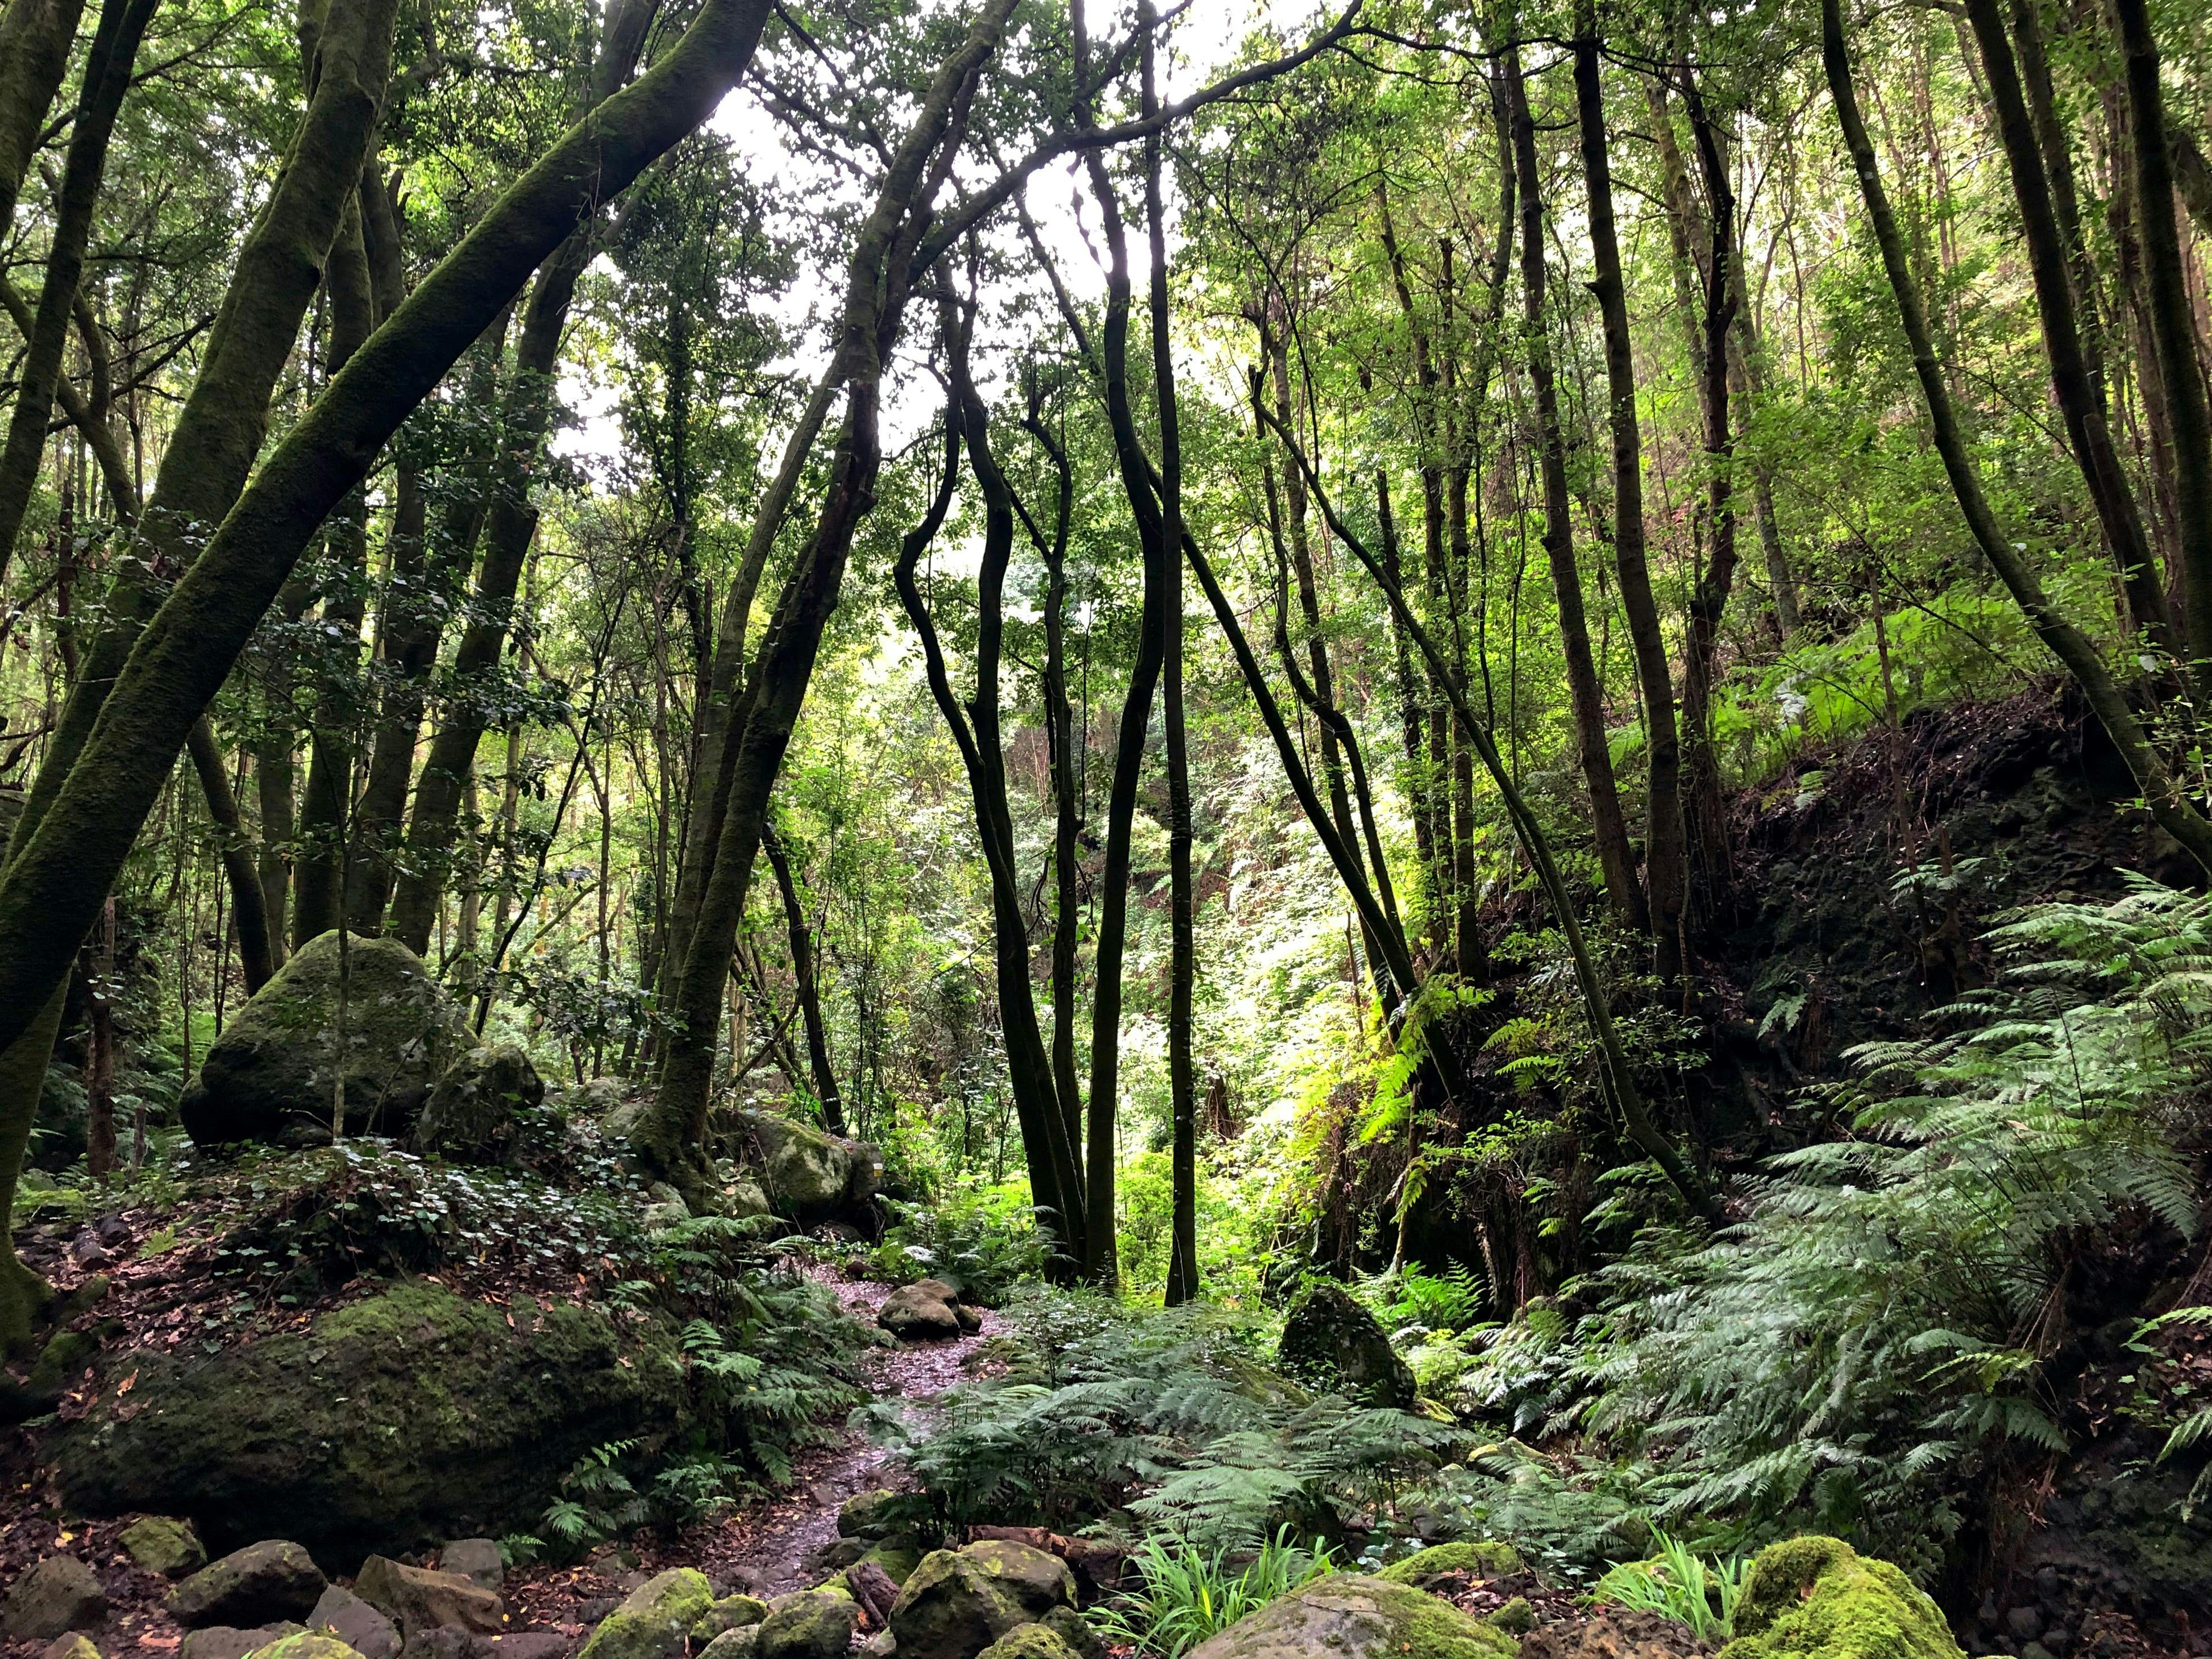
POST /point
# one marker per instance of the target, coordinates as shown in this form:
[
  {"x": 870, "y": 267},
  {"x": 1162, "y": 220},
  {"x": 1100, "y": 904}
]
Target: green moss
[
  {"x": 1818, "y": 1598},
  {"x": 1030, "y": 1642},
  {"x": 1516, "y": 1617},
  {"x": 731, "y": 1612},
  {"x": 308, "y": 1644},
  {"x": 1429, "y": 1627},
  {"x": 392, "y": 1422},
  {"x": 1483, "y": 1557},
  {"x": 897, "y": 1561}
]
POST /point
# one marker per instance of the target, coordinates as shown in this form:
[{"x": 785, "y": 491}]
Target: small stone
[
  {"x": 730, "y": 1612},
  {"x": 274, "y": 1579},
  {"x": 305, "y": 1645},
  {"x": 444, "y": 1641},
  {"x": 75, "y": 1645},
  {"x": 1516, "y": 1617},
  {"x": 655, "y": 1620},
  {"x": 58, "y": 1595},
  {"x": 476, "y": 1559},
  {"x": 881, "y": 1645},
  {"x": 868, "y": 1513},
  {"x": 919, "y": 1312},
  {"x": 527, "y": 1645},
  {"x": 228, "y": 1642},
  {"x": 2034, "y": 1651},
  {"x": 837, "y": 1554},
  {"x": 2024, "y": 1624},
  {"x": 354, "y": 1622},
  {"x": 419, "y": 1599},
  {"x": 164, "y": 1544},
  {"x": 87, "y": 1251},
  {"x": 1030, "y": 1642},
  {"x": 741, "y": 1644},
  {"x": 1073, "y": 1628}
]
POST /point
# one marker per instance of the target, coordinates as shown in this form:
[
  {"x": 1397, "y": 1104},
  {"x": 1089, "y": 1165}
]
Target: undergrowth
[{"x": 1189, "y": 1594}]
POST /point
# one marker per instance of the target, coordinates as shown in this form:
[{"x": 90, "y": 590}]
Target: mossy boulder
[
  {"x": 388, "y": 1425},
  {"x": 656, "y": 1619},
  {"x": 809, "y": 1175},
  {"x": 957, "y": 1602},
  {"x": 1353, "y": 1617},
  {"x": 1483, "y": 1557},
  {"x": 921, "y": 1312},
  {"x": 1818, "y": 1598},
  {"x": 420, "y": 1599},
  {"x": 163, "y": 1544},
  {"x": 57, "y": 1594},
  {"x": 272, "y": 1075},
  {"x": 1331, "y": 1343},
  {"x": 814, "y": 1624},
  {"x": 228, "y": 1642},
  {"x": 897, "y": 1557},
  {"x": 1030, "y": 1642},
  {"x": 362, "y": 1627},
  {"x": 469, "y": 1117},
  {"x": 742, "y": 1643},
  {"x": 730, "y": 1612},
  {"x": 307, "y": 1645}
]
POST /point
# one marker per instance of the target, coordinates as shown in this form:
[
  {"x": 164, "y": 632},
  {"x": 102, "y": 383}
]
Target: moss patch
[
  {"x": 1358, "y": 1618},
  {"x": 1483, "y": 1557},
  {"x": 1818, "y": 1598}
]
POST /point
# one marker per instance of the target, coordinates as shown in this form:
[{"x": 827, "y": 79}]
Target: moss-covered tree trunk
[
  {"x": 35, "y": 36},
  {"x": 54, "y": 884}
]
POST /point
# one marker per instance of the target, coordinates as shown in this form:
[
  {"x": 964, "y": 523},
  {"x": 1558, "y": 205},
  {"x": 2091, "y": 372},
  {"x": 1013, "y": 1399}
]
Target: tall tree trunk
[
  {"x": 35, "y": 37},
  {"x": 2174, "y": 331},
  {"x": 510, "y": 526},
  {"x": 671, "y": 1135},
  {"x": 802, "y": 984},
  {"x": 256, "y": 953},
  {"x": 67, "y": 859},
  {"x": 2080, "y": 403},
  {"x": 1665, "y": 855},
  {"x": 106, "y": 76},
  {"x": 1608, "y": 825},
  {"x": 2168, "y": 805}
]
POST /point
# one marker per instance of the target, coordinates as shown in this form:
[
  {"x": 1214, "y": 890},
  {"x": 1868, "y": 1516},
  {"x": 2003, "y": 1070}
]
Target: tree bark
[
  {"x": 1608, "y": 825},
  {"x": 256, "y": 956},
  {"x": 802, "y": 973},
  {"x": 2163, "y": 797},
  {"x": 106, "y": 77},
  {"x": 35, "y": 37},
  {"x": 1665, "y": 855}
]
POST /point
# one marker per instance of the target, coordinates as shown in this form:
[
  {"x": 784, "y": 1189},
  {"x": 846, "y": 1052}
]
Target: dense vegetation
[{"x": 1543, "y": 660}]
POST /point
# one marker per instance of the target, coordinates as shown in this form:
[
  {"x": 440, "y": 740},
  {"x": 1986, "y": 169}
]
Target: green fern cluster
[
  {"x": 1165, "y": 1415},
  {"x": 1856, "y": 1353}
]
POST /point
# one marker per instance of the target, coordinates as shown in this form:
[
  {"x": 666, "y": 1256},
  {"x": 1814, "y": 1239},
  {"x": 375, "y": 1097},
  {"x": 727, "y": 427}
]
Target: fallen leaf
[{"x": 125, "y": 1386}]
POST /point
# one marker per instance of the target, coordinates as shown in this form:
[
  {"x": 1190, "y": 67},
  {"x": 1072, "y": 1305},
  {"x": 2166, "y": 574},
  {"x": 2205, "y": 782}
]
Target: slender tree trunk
[
  {"x": 2174, "y": 332},
  {"x": 802, "y": 974},
  {"x": 106, "y": 76},
  {"x": 2166, "y": 802},
  {"x": 1608, "y": 825},
  {"x": 256, "y": 953},
  {"x": 35, "y": 37},
  {"x": 2080, "y": 402},
  {"x": 509, "y": 528},
  {"x": 1665, "y": 855}
]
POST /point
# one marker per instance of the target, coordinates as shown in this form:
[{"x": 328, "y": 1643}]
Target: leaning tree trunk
[
  {"x": 2162, "y": 794},
  {"x": 35, "y": 36},
  {"x": 672, "y": 1136},
  {"x": 55, "y": 883},
  {"x": 106, "y": 77}
]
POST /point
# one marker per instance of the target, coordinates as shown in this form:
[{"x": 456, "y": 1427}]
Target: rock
[
  {"x": 1612, "y": 1633},
  {"x": 1073, "y": 1628},
  {"x": 897, "y": 1558},
  {"x": 87, "y": 1251},
  {"x": 1818, "y": 1595},
  {"x": 444, "y": 1641},
  {"x": 527, "y": 1645},
  {"x": 881, "y": 1645},
  {"x": 745, "y": 1198},
  {"x": 971, "y": 1319},
  {"x": 1330, "y": 1342},
  {"x": 228, "y": 1642},
  {"x": 163, "y": 1544},
  {"x": 476, "y": 1559},
  {"x": 469, "y": 1117},
  {"x": 1030, "y": 1642},
  {"x": 75, "y": 1645},
  {"x": 836, "y": 1555},
  {"x": 811, "y": 1175},
  {"x": 1355, "y": 1617},
  {"x": 1485, "y": 1558},
  {"x": 306, "y": 1644},
  {"x": 2024, "y": 1624},
  {"x": 58, "y": 1594},
  {"x": 667, "y": 1209},
  {"x": 741, "y": 1644},
  {"x": 810, "y": 1625},
  {"x": 919, "y": 1312},
  {"x": 272, "y": 1580},
  {"x": 61, "y": 1363},
  {"x": 271, "y": 1075},
  {"x": 654, "y": 1620},
  {"x": 361, "y": 1626},
  {"x": 957, "y": 1602},
  {"x": 1516, "y": 1617},
  {"x": 419, "y": 1599},
  {"x": 730, "y": 1612},
  {"x": 475, "y": 1420},
  {"x": 1098, "y": 1566},
  {"x": 871, "y": 1514}
]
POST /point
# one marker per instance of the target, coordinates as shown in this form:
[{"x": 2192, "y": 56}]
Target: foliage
[
  {"x": 1189, "y": 1594},
  {"x": 1680, "y": 1584},
  {"x": 979, "y": 1240},
  {"x": 1166, "y": 1414}
]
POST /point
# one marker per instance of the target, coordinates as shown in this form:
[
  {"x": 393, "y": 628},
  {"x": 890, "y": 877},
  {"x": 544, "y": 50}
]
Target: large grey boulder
[
  {"x": 1351, "y": 1617},
  {"x": 272, "y": 1075},
  {"x": 809, "y": 1174},
  {"x": 259, "y": 1584},
  {"x": 57, "y": 1594},
  {"x": 360, "y": 1625},
  {"x": 923, "y": 1311},
  {"x": 469, "y": 1115},
  {"x": 1333, "y": 1343}
]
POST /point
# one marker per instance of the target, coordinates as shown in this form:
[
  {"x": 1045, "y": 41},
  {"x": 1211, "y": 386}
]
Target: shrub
[{"x": 1190, "y": 1594}]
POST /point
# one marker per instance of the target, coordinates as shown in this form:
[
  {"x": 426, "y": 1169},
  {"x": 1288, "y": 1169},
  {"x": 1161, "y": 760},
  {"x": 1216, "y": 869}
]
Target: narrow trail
[{"x": 765, "y": 1549}]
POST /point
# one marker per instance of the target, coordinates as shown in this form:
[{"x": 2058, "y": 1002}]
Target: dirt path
[{"x": 764, "y": 1550}]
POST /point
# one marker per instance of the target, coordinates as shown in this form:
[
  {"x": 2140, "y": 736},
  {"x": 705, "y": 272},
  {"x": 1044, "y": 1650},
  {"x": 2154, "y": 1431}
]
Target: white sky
[{"x": 1203, "y": 38}]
